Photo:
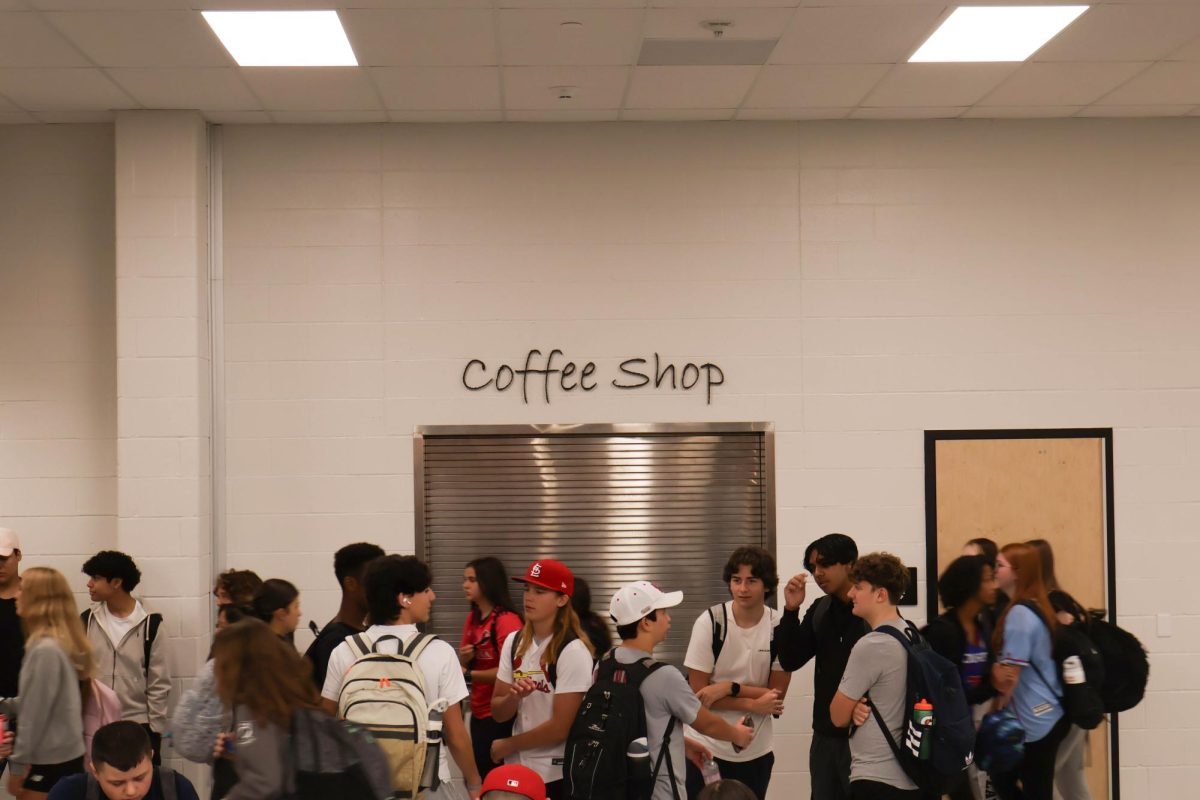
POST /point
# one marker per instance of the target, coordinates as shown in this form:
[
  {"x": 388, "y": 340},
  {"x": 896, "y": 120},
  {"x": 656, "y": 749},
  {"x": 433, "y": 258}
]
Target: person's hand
[
  {"x": 14, "y": 782},
  {"x": 475, "y": 791},
  {"x": 768, "y": 703},
  {"x": 466, "y": 653},
  {"x": 861, "y": 713},
  {"x": 742, "y": 735},
  {"x": 696, "y": 752},
  {"x": 714, "y": 692},
  {"x": 220, "y": 748},
  {"x": 6, "y": 744},
  {"x": 1004, "y": 677},
  {"x": 794, "y": 592},
  {"x": 523, "y": 688},
  {"x": 501, "y": 749}
]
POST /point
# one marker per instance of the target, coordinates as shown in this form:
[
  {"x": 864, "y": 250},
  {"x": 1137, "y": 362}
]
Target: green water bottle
[{"x": 922, "y": 718}]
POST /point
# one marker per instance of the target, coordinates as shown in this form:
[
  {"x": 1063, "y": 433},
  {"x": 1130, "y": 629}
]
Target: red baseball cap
[
  {"x": 550, "y": 574},
  {"x": 515, "y": 778}
]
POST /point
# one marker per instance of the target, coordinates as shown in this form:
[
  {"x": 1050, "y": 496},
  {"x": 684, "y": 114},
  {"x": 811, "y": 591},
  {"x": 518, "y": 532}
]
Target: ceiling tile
[
  {"x": 438, "y": 88},
  {"x": 845, "y": 35},
  {"x": 427, "y": 37},
  {"x": 102, "y": 5},
  {"x": 538, "y": 38},
  {"x": 748, "y": 23},
  {"x": 726, "y": 3},
  {"x": 62, "y": 90},
  {"x": 928, "y": 85},
  {"x": 576, "y": 3},
  {"x": 446, "y": 115},
  {"x": 1142, "y": 32},
  {"x": 74, "y": 117},
  {"x": 27, "y": 41},
  {"x": 1166, "y": 83},
  {"x": 312, "y": 88},
  {"x": 237, "y": 117},
  {"x": 562, "y": 115},
  {"x": 329, "y": 117},
  {"x": 207, "y": 88},
  {"x": 678, "y": 114},
  {"x": 1020, "y": 112},
  {"x": 596, "y": 87},
  {"x": 143, "y": 38},
  {"x": 793, "y": 113},
  {"x": 816, "y": 85},
  {"x": 16, "y": 118},
  {"x": 1135, "y": 111},
  {"x": 1064, "y": 83},
  {"x": 689, "y": 87},
  {"x": 914, "y": 112},
  {"x": 5, "y": 105}
]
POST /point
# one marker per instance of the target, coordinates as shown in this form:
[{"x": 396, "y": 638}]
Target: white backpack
[{"x": 385, "y": 694}]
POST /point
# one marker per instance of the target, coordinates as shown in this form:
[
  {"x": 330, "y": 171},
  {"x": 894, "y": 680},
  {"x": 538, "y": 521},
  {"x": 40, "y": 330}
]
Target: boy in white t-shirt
[
  {"x": 545, "y": 669},
  {"x": 737, "y": 674},
  {"x": 399, "y": 597}
]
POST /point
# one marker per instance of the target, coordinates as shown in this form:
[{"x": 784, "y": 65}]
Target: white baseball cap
[
  {"x": 8, "y": 542},
  {"x": 635, "y": 600}
]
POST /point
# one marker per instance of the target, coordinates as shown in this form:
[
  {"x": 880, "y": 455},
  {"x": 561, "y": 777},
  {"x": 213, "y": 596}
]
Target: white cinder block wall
[
  {"x": 858, "y": 283},
  {"x": 58, "y": 416}
]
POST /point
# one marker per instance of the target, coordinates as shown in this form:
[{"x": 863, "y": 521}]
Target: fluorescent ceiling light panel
[
  {"x": 996, "y": 33},
  {"x": 283, "y": 38}
]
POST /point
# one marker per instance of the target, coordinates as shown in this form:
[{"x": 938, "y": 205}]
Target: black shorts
[{"x": 42, "y": 777}]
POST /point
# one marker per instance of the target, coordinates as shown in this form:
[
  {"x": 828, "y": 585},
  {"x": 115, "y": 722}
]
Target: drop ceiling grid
[{"x": 485, "y": 60}]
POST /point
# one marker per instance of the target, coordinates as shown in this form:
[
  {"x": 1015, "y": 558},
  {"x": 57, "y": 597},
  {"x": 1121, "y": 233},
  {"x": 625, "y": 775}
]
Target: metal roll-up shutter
[{"x": 619, "y": 503}]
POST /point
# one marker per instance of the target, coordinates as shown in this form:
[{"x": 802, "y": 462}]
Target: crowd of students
[{"x": 526, "y": 670}]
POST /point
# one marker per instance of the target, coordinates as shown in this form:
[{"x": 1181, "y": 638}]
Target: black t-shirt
[
  {"x": 12, "y": 648},
  {"x": 323, "y": 646}
]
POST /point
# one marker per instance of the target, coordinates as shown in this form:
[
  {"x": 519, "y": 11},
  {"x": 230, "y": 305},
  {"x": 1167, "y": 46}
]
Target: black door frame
[{"x": 931, "y": 541}]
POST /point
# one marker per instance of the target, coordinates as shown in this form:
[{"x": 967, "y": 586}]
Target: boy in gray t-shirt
[
  {"x": 640, "y": 612},
  {"x": 878, "y": 669}
]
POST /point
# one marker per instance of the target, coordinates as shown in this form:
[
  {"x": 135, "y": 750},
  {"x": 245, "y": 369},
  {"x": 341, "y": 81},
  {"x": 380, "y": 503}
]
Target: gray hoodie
[
  {"x": 143, "y": 689},
  {"x": 49, "y": 710},
  {"x": 260, "y": 759}
]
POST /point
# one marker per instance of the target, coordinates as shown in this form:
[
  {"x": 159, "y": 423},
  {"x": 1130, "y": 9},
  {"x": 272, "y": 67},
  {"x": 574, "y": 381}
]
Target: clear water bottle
[
  {"x": 711, "y": 772},
  {"x": 1072, "y": 671}
]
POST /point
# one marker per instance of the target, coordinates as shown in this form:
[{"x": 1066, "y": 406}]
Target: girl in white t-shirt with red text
[{"x": 545, "y": 669}]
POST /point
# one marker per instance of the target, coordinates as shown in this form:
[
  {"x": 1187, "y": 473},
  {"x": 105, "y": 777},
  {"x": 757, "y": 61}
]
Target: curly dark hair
[
  {"x": 239, "y": 584},
  {"x": 883, "y": 571},
  {"x": 113, "y": 564},
  {"x": 761, "y": 563},
  {"x": 961, "y": 580}
]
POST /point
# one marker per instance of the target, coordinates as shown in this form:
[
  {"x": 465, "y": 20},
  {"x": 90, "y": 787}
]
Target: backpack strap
[
  {"x": 664, "y": 755},
  {"x": 389, "y": 638},
  {"x": 361, "y": 644},
  {"x": 166, "y": 781},
  {"x": 773, "y": 649},
  {"x": 552, "y": 669},
  {"x": 153, "y": 623},
  {"x": 718, "y": 630},
  {"x": 887, "y": 735},
  {"x": 417, "y": 645},
  {"x": 1033, "y": 607}
]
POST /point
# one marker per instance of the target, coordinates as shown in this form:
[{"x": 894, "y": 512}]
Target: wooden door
[{"x": 1013, "y": 490}]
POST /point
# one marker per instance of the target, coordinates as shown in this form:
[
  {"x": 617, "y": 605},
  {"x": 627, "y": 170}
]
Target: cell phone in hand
[{"x": 748, "y": 721}]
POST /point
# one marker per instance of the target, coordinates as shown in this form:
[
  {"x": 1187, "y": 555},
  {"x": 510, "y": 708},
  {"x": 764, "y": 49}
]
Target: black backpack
[
  {"x": 1126, "y": 666},
  {"x": 329, "y": 757},
  {"x": 934, "y": 681},
  {"x": 1080, "y": 698},
  {"x": 610, "y": 717}
]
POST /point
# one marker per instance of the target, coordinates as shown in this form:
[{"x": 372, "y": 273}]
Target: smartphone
[{"x": 748, "y": 721}]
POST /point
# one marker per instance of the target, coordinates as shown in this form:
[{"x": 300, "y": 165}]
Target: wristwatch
[{"x": 735, "y": 688}]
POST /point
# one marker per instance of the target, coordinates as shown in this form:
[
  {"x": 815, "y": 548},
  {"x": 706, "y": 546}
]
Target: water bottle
[
  {"x": 711, "y": 772},
  {"x": 1072, "y": 671},
  {"x": 922, "y": 720}
]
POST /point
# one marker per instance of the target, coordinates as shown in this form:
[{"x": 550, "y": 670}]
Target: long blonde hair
[
  {"x": 48, "y": 611},
  {"x": 566, "y": 622}
]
